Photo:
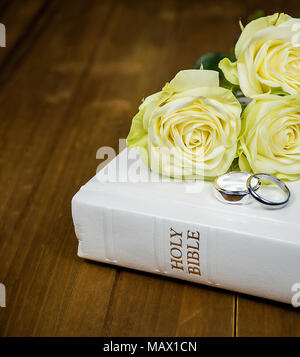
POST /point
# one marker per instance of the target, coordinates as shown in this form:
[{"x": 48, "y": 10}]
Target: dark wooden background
[{"x": 72, "y": 76}]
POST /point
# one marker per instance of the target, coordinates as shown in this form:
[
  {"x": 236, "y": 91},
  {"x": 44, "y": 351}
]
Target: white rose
[
  {"x": 270, "y": 136},
  {"x": 268, "y": 57},
  {"x": 190, "y": 128}
]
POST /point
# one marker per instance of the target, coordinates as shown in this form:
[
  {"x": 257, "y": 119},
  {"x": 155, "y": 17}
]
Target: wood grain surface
[{"x": 72, "y": 76}]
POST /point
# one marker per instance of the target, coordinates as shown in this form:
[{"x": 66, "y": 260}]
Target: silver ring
[
  {"x": 279, "y": 183},
  {"x": 232, "y": 187}
]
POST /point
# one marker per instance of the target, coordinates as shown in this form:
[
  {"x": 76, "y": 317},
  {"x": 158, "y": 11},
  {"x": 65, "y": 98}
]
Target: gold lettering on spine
[
  {"x": 177, "y": 264},
  {"x": 193, "y": 255},
  {"x": 194, "y": 270},
  {"x": 176, "y": 252},
  {"x": 191, "y": 260},
  {"x": 174, "y": 233},
  {"x": 193, "y": 235}
]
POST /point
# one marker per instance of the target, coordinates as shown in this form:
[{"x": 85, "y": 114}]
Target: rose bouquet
[{"x": 195, "y": 128}]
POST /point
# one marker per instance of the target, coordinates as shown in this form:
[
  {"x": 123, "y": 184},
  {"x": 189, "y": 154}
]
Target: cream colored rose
[
  {"x": 268, "y": 57},
  {"x": 270, "y": 136},
  {"x": 190, "y": 128}
]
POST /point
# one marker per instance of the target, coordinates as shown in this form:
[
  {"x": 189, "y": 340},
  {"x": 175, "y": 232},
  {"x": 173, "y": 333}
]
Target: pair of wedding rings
[{"x": 239, "y": 187}]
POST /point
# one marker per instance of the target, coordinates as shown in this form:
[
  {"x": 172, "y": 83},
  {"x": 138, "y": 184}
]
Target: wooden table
[{"x": 72, "y": 76}]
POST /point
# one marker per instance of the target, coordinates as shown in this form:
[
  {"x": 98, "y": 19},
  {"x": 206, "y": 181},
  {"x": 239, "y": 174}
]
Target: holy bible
[{"x": 130, "y": 216}]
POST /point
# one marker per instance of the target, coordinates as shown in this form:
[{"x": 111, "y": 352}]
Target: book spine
[{"x": 190, "y": 251}]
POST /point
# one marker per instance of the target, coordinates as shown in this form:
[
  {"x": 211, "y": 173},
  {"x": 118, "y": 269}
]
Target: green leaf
[
  {"x": 233, "y": 87},
  {"x": 235, "y": 165},
  {"x": 256, "y": 15},
  {"x": 211, "y": 61}
]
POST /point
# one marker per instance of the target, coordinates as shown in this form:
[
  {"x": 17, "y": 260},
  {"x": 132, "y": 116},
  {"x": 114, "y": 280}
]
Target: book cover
[{"x": 129, "y": 216}]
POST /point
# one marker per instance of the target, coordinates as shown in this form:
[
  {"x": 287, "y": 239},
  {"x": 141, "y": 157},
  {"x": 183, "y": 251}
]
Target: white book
[{"x": 179, "y": 229}]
